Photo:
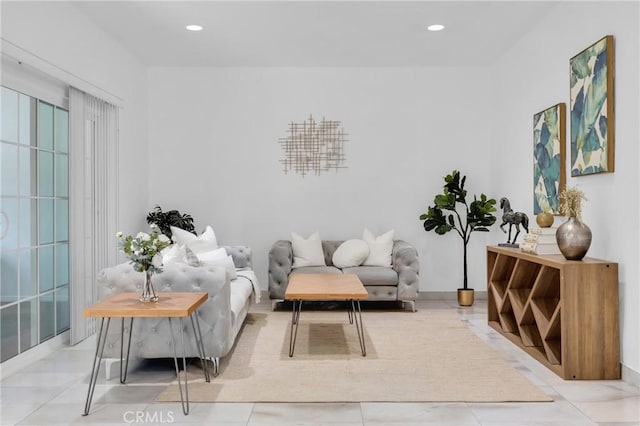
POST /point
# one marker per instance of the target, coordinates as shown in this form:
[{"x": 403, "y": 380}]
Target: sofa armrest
[
  {"x": 280, "y": 262},
  {"x": 242, "y": 256},
  {"x": 406, "y": 264},
  {"x": 152, "y": 336}
]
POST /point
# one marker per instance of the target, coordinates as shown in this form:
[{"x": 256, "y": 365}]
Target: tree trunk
[{"x": 465, "y": 266}]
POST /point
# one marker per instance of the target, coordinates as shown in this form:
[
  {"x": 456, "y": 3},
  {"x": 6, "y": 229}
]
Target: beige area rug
[{"x": 427, "y": 356}]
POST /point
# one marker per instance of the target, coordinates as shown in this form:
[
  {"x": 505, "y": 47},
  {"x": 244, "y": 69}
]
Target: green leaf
[
  {"x": 443, "y": 229},
  {"x": 445, "y": 201},
  {"x": 166, "y": 219}
]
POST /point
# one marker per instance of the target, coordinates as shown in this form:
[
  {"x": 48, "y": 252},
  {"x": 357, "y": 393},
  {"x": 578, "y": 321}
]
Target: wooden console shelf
[{"x": 563, "y": 313}]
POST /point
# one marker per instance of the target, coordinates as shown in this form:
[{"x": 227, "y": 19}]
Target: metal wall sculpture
[{"x": 313, "y": 147}]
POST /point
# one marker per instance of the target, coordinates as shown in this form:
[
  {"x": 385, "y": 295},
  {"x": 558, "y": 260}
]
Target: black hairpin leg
[
  {"x": 295, "y": 319},
  {"x": 359, "y": 325},
  {"x": 123, "y": 377},
  {"x": 184, "y": 400},
  {"x": 97, "y": 360},
  {"x": 200, "y": 345}
]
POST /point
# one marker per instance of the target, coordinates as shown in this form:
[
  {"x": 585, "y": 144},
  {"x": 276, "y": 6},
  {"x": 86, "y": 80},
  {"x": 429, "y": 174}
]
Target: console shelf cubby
[{"x": 563, "y": 313}]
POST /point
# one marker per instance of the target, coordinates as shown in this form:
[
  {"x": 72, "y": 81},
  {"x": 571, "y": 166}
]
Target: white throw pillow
[
  {"x": 380, "y": 248},
  {"x": 175, "y": 253},
  {"x": 307, "y": 252},
  {"x": 198, "y": 244},
  {"x": 226, "y": 262},
  {"x": 213, "y": 255},
  {"x": 350, "y": 253},
  {"x": 179, "y": 253}
]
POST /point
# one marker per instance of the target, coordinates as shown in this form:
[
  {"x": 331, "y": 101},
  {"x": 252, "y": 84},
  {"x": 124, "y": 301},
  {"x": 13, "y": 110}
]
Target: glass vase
[{"x": 148, "y": 293}]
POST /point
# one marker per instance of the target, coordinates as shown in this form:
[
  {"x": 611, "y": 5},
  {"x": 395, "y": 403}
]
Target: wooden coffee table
[
  {"x": 326, "y": 287},
  {"x": 126, "y": 305}
]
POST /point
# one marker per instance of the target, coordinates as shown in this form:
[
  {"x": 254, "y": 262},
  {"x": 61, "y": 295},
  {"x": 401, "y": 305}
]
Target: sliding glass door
[{"x": 34, "y": 222}]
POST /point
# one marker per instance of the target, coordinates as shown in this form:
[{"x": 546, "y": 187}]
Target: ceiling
[{"x": 315, "y": 33}]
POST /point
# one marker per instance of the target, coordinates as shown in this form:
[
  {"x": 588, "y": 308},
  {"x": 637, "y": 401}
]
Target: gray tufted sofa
[
  {"x": 400, "y": 282},
  {"x": 221, "y": 316}
]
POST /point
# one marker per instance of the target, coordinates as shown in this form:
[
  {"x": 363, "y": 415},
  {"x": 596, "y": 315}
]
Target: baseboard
[
  {"x": 32, "y": 355},
  {"x": 630, "y": 376},
  {"x": 448, "y": 295}
]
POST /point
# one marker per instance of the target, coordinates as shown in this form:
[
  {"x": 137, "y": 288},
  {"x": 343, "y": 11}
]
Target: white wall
[
  {"x": 214, "y": 151},
  {"x": 67, "y": 41},
  {"x": 534, "y": 75}
]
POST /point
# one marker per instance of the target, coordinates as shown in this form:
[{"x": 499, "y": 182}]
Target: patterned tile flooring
[{"x": 52, "y": 391}]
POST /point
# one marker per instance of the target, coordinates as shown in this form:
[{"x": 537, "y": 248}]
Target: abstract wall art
[
  {"x": 548, "y": 158},
  {"x": 313, "y": 147},
  {"x": 592, "y": 109}
]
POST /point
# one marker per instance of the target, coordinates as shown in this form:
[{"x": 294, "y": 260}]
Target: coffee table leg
[
  {"x": 350, "y": 311},
  {"x": 97, "y": 360},
  {"x": 295, "y": 319},
  {"x": 185, "y": 406},
  {"x": 359, "y": 325},
  {"x": 200, "y": 344},
  {"x": 123, "y": 377}
]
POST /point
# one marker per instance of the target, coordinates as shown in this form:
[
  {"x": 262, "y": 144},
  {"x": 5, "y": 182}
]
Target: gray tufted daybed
[
  {"x": 400, "y": 282},
  {"x": 221, "y": 316}
]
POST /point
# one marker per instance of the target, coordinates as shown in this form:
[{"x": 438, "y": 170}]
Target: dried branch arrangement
[{"x": 571, "y": 202}]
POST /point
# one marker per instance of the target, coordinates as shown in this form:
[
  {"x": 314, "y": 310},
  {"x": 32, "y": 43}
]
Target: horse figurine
[{"x": 512, "y": 218}]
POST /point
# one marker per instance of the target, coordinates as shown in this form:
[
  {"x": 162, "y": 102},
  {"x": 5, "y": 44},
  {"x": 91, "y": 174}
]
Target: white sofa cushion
[
  {"x": 380, "y": 248},
  {"x": 197, "y": 243},
  {"x": 350, "y": 253},
  {"x": 212, "y": 255},
  {"x": 307, "y": 252},
  {"x": 179, "y": 253},
  {"x": 214, "y": 258},
  {"x": 175, "y": 253}
]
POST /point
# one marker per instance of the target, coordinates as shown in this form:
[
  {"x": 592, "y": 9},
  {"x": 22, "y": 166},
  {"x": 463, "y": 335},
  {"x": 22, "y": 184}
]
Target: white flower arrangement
[{"x": 143, "y": 250}]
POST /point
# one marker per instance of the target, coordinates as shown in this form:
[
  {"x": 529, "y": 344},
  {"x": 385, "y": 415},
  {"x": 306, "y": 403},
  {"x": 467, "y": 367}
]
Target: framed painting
[
  {"x": 592, "y": 115},
  {"x": 548, "y": 158}
]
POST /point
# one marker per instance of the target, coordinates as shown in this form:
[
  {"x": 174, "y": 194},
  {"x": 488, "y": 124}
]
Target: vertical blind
[{"x": 93, "y": 200}]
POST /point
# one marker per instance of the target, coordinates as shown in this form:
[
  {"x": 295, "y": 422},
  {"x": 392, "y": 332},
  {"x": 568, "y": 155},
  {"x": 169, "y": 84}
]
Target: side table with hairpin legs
[{"x": 126, "y": 305}]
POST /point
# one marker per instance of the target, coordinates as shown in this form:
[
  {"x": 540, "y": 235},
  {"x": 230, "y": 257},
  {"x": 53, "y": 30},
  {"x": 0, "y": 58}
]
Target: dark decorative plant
[
  {"x": 165, "y": 220},
  {"x": 464, "y": 218}
]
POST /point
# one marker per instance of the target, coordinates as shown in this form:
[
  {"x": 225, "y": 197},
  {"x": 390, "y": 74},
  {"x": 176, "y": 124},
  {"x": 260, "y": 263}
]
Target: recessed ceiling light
[
  {"x": 194, "y": 27},
  {"x": 435, "y": 27}
]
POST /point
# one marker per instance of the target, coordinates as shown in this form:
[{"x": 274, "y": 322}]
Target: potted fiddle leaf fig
[{"x": 452, "y": 212}]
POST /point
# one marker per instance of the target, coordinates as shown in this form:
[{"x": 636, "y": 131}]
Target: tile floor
[{"x": 52, "y": 392}]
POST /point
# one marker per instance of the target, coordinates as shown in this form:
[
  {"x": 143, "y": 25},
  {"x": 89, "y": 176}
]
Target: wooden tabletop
[
  {"x": 127, "y": 305},
  {"x": 325, "y": 287},
  {"x": 544, "y": 259}
]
